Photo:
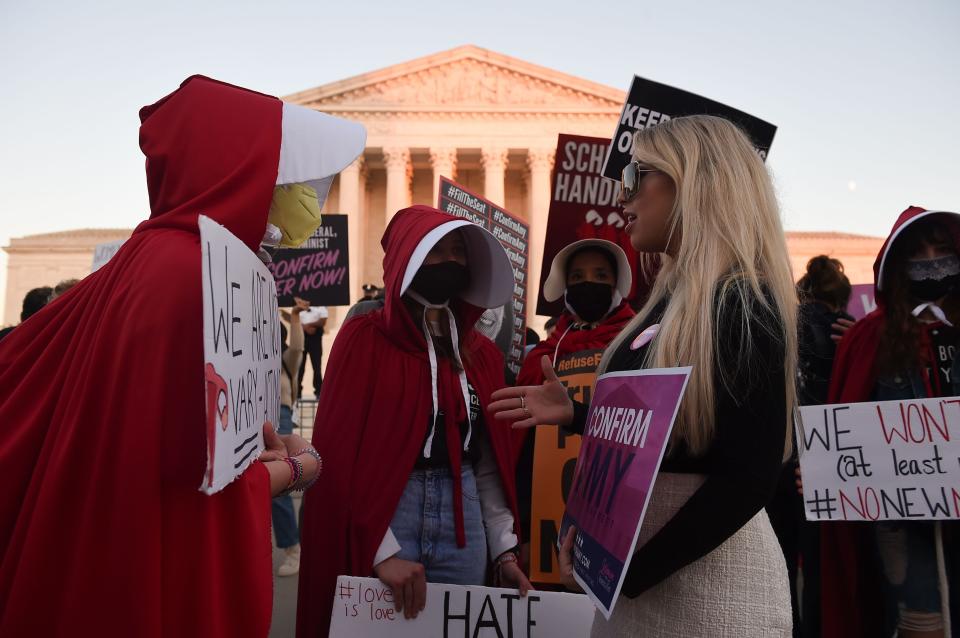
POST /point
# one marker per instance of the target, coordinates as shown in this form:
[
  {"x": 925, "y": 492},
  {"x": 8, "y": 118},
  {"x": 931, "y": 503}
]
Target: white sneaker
[{"x": 291, "y": 561}]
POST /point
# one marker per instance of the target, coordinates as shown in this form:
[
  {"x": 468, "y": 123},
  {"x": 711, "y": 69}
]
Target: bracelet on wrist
[{"x": 310, "y": 451}]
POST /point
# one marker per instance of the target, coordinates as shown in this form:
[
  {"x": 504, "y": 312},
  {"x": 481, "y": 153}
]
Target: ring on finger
[{"x": 523, "y": 402}]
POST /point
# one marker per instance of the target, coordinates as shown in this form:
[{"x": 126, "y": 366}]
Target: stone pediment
[{"x": 463, "y": 79}]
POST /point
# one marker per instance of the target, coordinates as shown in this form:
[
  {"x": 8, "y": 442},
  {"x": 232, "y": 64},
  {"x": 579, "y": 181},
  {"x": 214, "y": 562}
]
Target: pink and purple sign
[{"x": 627, "y": 430}]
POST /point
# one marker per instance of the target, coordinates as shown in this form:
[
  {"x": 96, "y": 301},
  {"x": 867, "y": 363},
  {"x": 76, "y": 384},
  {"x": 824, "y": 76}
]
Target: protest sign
[
  {"x": 514, "y": 235},
  {"x": 626, "y": 433},
  {"x": 861, "y": 302},
  {"x": 364, "y": 608},
  {"x": 583, "y": 205},
  {"x": 102, "y": 253},
  {"x": 318, "y": 270},
  {"x": 650, "y": 103},
  {"x": 241, "y": 352},
  {"x": 877, "y": 461},
  {"x": 554, "y": 461}
]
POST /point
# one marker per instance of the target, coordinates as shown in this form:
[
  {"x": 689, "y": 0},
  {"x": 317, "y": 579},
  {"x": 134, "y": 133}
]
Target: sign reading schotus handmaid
[
  {"x": 627, "y": 430},
  {"x": 881, "y": 460},
  {"x": 241, "y": 353}
]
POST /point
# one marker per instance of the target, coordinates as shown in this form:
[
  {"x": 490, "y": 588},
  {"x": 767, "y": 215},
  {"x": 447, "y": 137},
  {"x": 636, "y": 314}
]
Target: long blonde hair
[{"x": 731, "y": 246}]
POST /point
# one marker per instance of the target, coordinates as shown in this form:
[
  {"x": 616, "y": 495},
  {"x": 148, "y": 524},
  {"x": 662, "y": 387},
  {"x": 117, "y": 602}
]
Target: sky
[{"x": 865, "y": 95}]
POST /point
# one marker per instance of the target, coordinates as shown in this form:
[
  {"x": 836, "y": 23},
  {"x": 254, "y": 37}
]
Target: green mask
[{"x": 295, "y": 210}]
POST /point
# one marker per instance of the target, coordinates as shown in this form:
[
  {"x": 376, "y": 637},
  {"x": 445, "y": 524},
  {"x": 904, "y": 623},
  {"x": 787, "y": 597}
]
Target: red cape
[
  {"x": 371, "y": 423},
  {"x": 562, "y": 342},
  {"x": 850, "y": 584},
  {"x": 102, "y": 526}
]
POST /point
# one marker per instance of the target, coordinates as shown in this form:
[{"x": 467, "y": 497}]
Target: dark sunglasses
[{"x": 630, "y": 180}]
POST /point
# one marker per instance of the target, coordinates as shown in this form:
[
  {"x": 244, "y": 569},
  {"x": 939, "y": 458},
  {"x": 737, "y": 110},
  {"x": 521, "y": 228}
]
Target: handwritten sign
[
  {"x": 317, "y": 271},
  {"x": 241, "y": 352},
  {"x": 876, "y": 461},
  {"x": 554, "y": 460},
  {"x": 514, "y": 235},
  {"x": 650, "y": 103},
  {"x": 583, "y": 205},
  {"x": 862, "y": 301},
  {"x": 364, "y": 608},
  {"x": 102, "y": 253},
  {"x": 627, "y": 430}
]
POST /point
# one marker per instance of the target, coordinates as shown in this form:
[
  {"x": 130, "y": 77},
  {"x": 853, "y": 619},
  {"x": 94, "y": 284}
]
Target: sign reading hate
[
  {"x": 881, "y": 460},
  {"x": 241, "y": 352},
  {"x": 364, "y": 608},
  {"x": 628, "y": 426},
  {"x": 514, "y": 235},
  {"x": 650, "y": 103},
  {"x": 317, "y": 271}
]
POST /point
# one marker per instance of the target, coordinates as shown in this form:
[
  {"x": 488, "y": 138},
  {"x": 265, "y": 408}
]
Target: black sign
[
  {"x": 317, "y": 271},
  {"x": 514, "y": 235},
  {"x": 649, "y": 103}
]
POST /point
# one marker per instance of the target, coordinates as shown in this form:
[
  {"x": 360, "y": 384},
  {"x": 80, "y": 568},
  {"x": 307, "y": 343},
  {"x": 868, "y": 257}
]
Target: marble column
[
  {"x": 444, "y": 163},
  {"x": 399, "y": 174},
  {"x": 494, "y": 161},
  {"x": 540, "y": 163},
  {"x": 350, "y": 201}
]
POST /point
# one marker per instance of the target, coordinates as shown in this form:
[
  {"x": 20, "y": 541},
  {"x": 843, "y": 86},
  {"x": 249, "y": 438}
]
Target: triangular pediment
[{"x": 463, "y": 79}]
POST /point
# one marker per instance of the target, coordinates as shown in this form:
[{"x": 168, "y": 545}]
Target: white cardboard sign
[
  {"x": 241, "y": 352},
  {"x": 881, "y": 460},
  {"x": 364, "y": 608},
  {"x": 102, "y": 253}
]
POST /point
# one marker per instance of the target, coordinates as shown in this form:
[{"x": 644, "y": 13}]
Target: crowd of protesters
[{"x": 421, "y": 459}]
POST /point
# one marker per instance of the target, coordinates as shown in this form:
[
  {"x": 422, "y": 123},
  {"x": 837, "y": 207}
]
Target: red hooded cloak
[
  {"x": 850, "y": 585},
  {"x": 102, "y": 526},
  {"x": 372, "y": 420}
]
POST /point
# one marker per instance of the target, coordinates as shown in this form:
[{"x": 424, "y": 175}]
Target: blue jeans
[
  {"x": 281, "y": 508},
  {"x": 424, "y": 526},
  {"x": 909, "y": 558}
]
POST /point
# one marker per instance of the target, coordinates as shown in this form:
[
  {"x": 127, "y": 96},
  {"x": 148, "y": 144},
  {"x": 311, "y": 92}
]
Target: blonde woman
[{"x": 708, "y": 562}]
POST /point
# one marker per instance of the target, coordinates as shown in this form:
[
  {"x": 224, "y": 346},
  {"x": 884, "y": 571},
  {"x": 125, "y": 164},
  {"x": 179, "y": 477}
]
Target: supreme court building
[{"x": 487, "y": 120}]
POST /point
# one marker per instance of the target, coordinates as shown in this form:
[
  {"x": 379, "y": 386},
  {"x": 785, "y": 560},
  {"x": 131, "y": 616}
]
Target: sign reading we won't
[
  {"x": 882, "y": 460},
  {"x": 241, "y": 353}
]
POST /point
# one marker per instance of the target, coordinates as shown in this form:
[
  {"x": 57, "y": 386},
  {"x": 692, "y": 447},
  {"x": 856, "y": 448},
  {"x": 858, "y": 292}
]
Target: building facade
[{"x": 487, "y": 120}]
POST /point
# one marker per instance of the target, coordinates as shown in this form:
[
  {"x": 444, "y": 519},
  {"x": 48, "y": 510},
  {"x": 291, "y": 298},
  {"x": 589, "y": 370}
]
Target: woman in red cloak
[
  {"x": 103, "y": 530},
  {"x": 404, "y": 432},
  {"x": 902, "y": 350}
]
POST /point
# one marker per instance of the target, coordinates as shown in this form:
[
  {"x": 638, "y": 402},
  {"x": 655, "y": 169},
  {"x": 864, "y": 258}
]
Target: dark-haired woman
[
  {"x": 824, "y": 292},
  {"x": 903, "y": 350},
  {"x": 592, "y": 277},
  {"x": 418, "y": 484}
]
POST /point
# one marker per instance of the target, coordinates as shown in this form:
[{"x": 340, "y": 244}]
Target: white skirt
[{"x": 740, "y": 589}]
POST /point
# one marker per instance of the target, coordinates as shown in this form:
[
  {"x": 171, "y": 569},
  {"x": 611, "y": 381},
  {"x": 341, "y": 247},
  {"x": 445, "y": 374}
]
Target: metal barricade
[{"x": 304, "y": 418}]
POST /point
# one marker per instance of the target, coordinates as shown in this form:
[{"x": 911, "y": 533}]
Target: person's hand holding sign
[
  {"x": 408, "y": 582},
  {"x": 530, "y": 405},
  {"x": 565, "y": 559}
]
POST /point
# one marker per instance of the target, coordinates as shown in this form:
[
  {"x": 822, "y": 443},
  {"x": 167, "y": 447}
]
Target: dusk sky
[{"x": 865, "y": 94}]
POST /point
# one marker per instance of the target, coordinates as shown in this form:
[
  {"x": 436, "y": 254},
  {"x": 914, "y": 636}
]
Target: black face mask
[
  {"x": 933, "y": 289},
  {"x": 438, "y": 283},
  {"x": 590, "y": 300}
]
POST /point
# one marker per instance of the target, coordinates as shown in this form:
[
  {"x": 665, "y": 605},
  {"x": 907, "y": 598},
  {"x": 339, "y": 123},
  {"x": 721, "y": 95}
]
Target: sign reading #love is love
[{"x": 364, "y": 608}]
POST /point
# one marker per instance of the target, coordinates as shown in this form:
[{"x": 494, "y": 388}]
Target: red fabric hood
[
  {"x": 101, "y": 521},
  {"x": 373, "y": 416},
  {"x": 848, "y": 579}
]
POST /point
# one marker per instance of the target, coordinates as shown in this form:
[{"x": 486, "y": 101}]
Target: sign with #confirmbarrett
[
  {"x": 881, "y": 460},
  {"x": 650, "y": 103},
  {"x": 241, "y": 353},
  {"x": 514, "y": 235},
  {"x": 628, "y": 426}
]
